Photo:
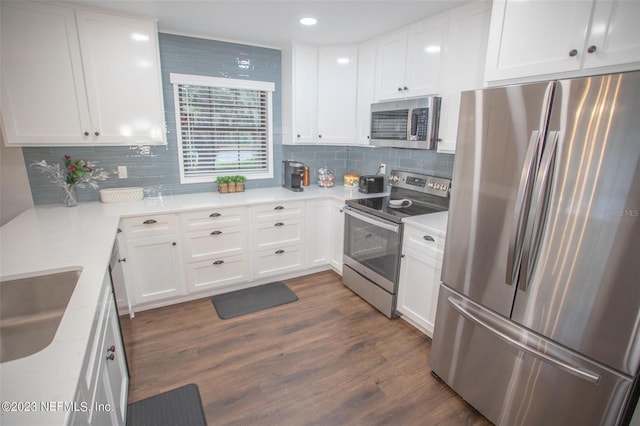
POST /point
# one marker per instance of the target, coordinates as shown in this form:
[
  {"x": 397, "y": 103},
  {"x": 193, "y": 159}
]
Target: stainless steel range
[{"x": 373, "y": 234}]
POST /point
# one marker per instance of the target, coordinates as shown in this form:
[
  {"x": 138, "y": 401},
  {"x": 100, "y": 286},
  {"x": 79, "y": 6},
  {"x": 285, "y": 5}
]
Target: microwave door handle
[
  {"x": 414, "y": 126},
  {"x": 370, "y": 221}
]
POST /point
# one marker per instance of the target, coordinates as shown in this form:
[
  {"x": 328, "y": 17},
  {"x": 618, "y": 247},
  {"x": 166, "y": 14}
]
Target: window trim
[{"x": 199, "y": 80}]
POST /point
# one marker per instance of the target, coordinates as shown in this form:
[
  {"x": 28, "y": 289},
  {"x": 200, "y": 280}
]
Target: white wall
[{"x": 15, "y": 194}]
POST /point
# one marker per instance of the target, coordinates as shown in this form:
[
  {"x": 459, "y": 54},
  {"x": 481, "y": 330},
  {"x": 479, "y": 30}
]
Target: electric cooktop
[{"x": 411, "y": 194}]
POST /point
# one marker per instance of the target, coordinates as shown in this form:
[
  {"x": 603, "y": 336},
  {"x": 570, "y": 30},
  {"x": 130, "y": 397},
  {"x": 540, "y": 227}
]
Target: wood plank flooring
[{"x": 327, "y": 359}]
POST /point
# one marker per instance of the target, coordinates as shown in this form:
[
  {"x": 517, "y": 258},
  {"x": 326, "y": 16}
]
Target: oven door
[{"x": 372, "y": 248}]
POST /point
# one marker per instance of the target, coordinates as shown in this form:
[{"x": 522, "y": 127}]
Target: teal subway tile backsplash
[{"x": 156, "y": 168}]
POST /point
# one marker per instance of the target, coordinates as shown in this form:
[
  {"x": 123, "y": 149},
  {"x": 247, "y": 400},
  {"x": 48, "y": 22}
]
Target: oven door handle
[{"x": 380, "y": 223}]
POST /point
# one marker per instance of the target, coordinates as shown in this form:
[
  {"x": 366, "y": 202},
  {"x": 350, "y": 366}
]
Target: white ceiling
[{"x": 275, "y": 23}]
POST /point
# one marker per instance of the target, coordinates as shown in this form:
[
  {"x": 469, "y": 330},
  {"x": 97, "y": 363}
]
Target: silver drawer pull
[
  {"x": 278, "y": 208},
  {"x": 279, "y": 251},
  {"x": 149, "y": 222},
  {"x": 216, "y": 233},
  {"x": 279, "y": 224},
  {"x": 428, "y": 238},
  {"x": 215, "y": 215},
  {"x": 218, "y": 262}
]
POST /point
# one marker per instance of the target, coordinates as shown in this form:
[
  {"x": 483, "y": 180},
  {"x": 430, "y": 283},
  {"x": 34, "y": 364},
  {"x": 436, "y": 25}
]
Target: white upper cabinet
[
  {"x": 409, "y": 61},
  {"x": 463, "y": 66},
  {"x": 337, "y": 84},
  {"x": 299, "y": 94},
  {"x": 365, "y": 95},
  {"x": 76, "y": 77},
  {"x": 615, "y": 34},
  {"x": 319, "y": 87},
  {"x": 122, "y": 75},
  {"x": 533, "y": 38}
]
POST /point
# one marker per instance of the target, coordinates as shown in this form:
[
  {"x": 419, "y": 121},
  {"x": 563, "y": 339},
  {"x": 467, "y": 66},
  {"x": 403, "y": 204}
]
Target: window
[{"x": 224, "y": 127}]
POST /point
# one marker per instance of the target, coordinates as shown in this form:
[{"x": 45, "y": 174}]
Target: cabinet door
[
  {"x": 337, "y": 83},
  {"x": 336, "y": 250},
  {"x": 122, "y": 73},
  {"x": 318, "y": 232},
  {"x": 43, "y": 96},
  {"x": 418, "y": 289},
  {"x": 305, "y": 89},
  {"x": 530, "y": 37},
  {"x": 615, "y": 34},
  {"x": 156, "y": 268},
  {"x": 365, "y": 91},
  {"x": 424, "y": 52},
  {"x": 463, "y": 66},
  {"x": 116, "y": 367},
  {"x": 391, "y": 60}
]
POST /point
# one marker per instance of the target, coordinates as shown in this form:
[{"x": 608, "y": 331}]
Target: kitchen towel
[{"x": 253, "y": 299}]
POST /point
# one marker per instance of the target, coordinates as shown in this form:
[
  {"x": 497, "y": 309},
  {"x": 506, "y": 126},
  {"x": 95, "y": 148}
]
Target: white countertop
[
  {"x": 54, "y": 237},
  {"x": 429, "y": 222}
]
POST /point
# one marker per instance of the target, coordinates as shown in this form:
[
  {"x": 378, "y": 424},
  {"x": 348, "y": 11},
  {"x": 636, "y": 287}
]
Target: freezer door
[
  {"x": 514, "y": 377},
  {"x": 581, "y": 258},
  {"x": 498, "y": 148}
]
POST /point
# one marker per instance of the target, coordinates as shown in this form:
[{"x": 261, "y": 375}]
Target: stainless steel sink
[{"x": 31, "y": 310}]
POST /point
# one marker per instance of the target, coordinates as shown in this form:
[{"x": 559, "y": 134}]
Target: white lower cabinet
[
  {"x": 154, "y": 260},
  {"x": 318, "y": 239},
  {"x": 336, "y": 246},
  {"x": 420, "y": 277},
  {"x": 176, "y": 257},
  {"x": 101, "y": 397}
]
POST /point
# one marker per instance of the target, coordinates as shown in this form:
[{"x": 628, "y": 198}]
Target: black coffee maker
[{"x": 292, "y": 173}]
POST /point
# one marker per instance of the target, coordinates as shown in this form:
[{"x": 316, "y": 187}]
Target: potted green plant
[
  {"x": 223, "y": 184},
  {"x": 239, "y": 183}
]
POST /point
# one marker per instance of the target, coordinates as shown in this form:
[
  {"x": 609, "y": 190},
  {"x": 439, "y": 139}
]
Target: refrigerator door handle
[
  {"x": 520, "y": 342},
  {"x": 539, "y": 208},
  {"x": 514, "y": 254}
]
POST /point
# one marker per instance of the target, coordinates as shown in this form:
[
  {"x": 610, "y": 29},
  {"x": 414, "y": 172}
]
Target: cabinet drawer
[
  {"x": 217, "y": 242},
  {"x": 217, "y": 272},
  {"x": 149, "y": 226},
  {"x": 278, "y": 233},
  {"x": 277, "y": 261},
  {"x": 423, "y": 240},
  {"x": 212, "y": 218},
  {"x": 277, "y": 211}
]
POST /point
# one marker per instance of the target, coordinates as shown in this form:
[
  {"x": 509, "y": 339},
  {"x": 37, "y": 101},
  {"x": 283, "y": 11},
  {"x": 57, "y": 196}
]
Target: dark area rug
[
  {"x": 180, "y": 406},
  {"x": 248, "y": 300}
]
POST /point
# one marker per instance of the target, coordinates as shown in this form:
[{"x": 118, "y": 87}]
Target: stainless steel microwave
[{"x": 411, "y": 123}]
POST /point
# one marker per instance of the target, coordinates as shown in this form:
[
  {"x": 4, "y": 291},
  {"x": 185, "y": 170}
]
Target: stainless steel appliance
[
  {"x": 371, "y": 184},
  {"x": 292, "y": 175},
  {"x": 538, "y": 318},
  {"x": 373, "y": 235},
  {"x": 406, "y": 123}
]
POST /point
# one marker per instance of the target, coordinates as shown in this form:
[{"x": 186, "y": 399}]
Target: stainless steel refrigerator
[{"x": 538, "y": 314}]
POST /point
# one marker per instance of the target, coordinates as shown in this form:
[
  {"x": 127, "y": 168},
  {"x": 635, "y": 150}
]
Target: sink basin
[{"x": 30, "y": 311}]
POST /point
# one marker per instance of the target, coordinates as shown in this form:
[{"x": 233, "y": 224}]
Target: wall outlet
[
  {"x": 122, "y": 172},
  {"x": 383, "y": 169}
]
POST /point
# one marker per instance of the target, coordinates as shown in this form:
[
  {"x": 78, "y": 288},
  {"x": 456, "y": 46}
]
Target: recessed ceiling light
[
  {"x": 308, "y": 21},
  {"x": 343, "y": 61}
]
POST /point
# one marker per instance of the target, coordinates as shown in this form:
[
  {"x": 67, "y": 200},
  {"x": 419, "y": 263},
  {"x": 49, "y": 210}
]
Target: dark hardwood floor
[{"x": 327, "y": 359}]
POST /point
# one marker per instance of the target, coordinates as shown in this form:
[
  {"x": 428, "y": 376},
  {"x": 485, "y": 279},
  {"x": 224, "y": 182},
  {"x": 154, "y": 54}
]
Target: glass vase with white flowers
[{"x": 76, "y": 174}]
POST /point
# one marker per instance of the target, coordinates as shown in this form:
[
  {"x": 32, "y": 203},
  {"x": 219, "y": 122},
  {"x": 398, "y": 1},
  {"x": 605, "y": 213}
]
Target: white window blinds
[{"x": 224, "y": 127}]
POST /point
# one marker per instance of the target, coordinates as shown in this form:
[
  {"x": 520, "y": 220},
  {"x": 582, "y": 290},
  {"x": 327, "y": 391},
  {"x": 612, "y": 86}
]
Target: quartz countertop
[
  {"x": 429, "y": 222},
  {"x": 51, "y": 238}
]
